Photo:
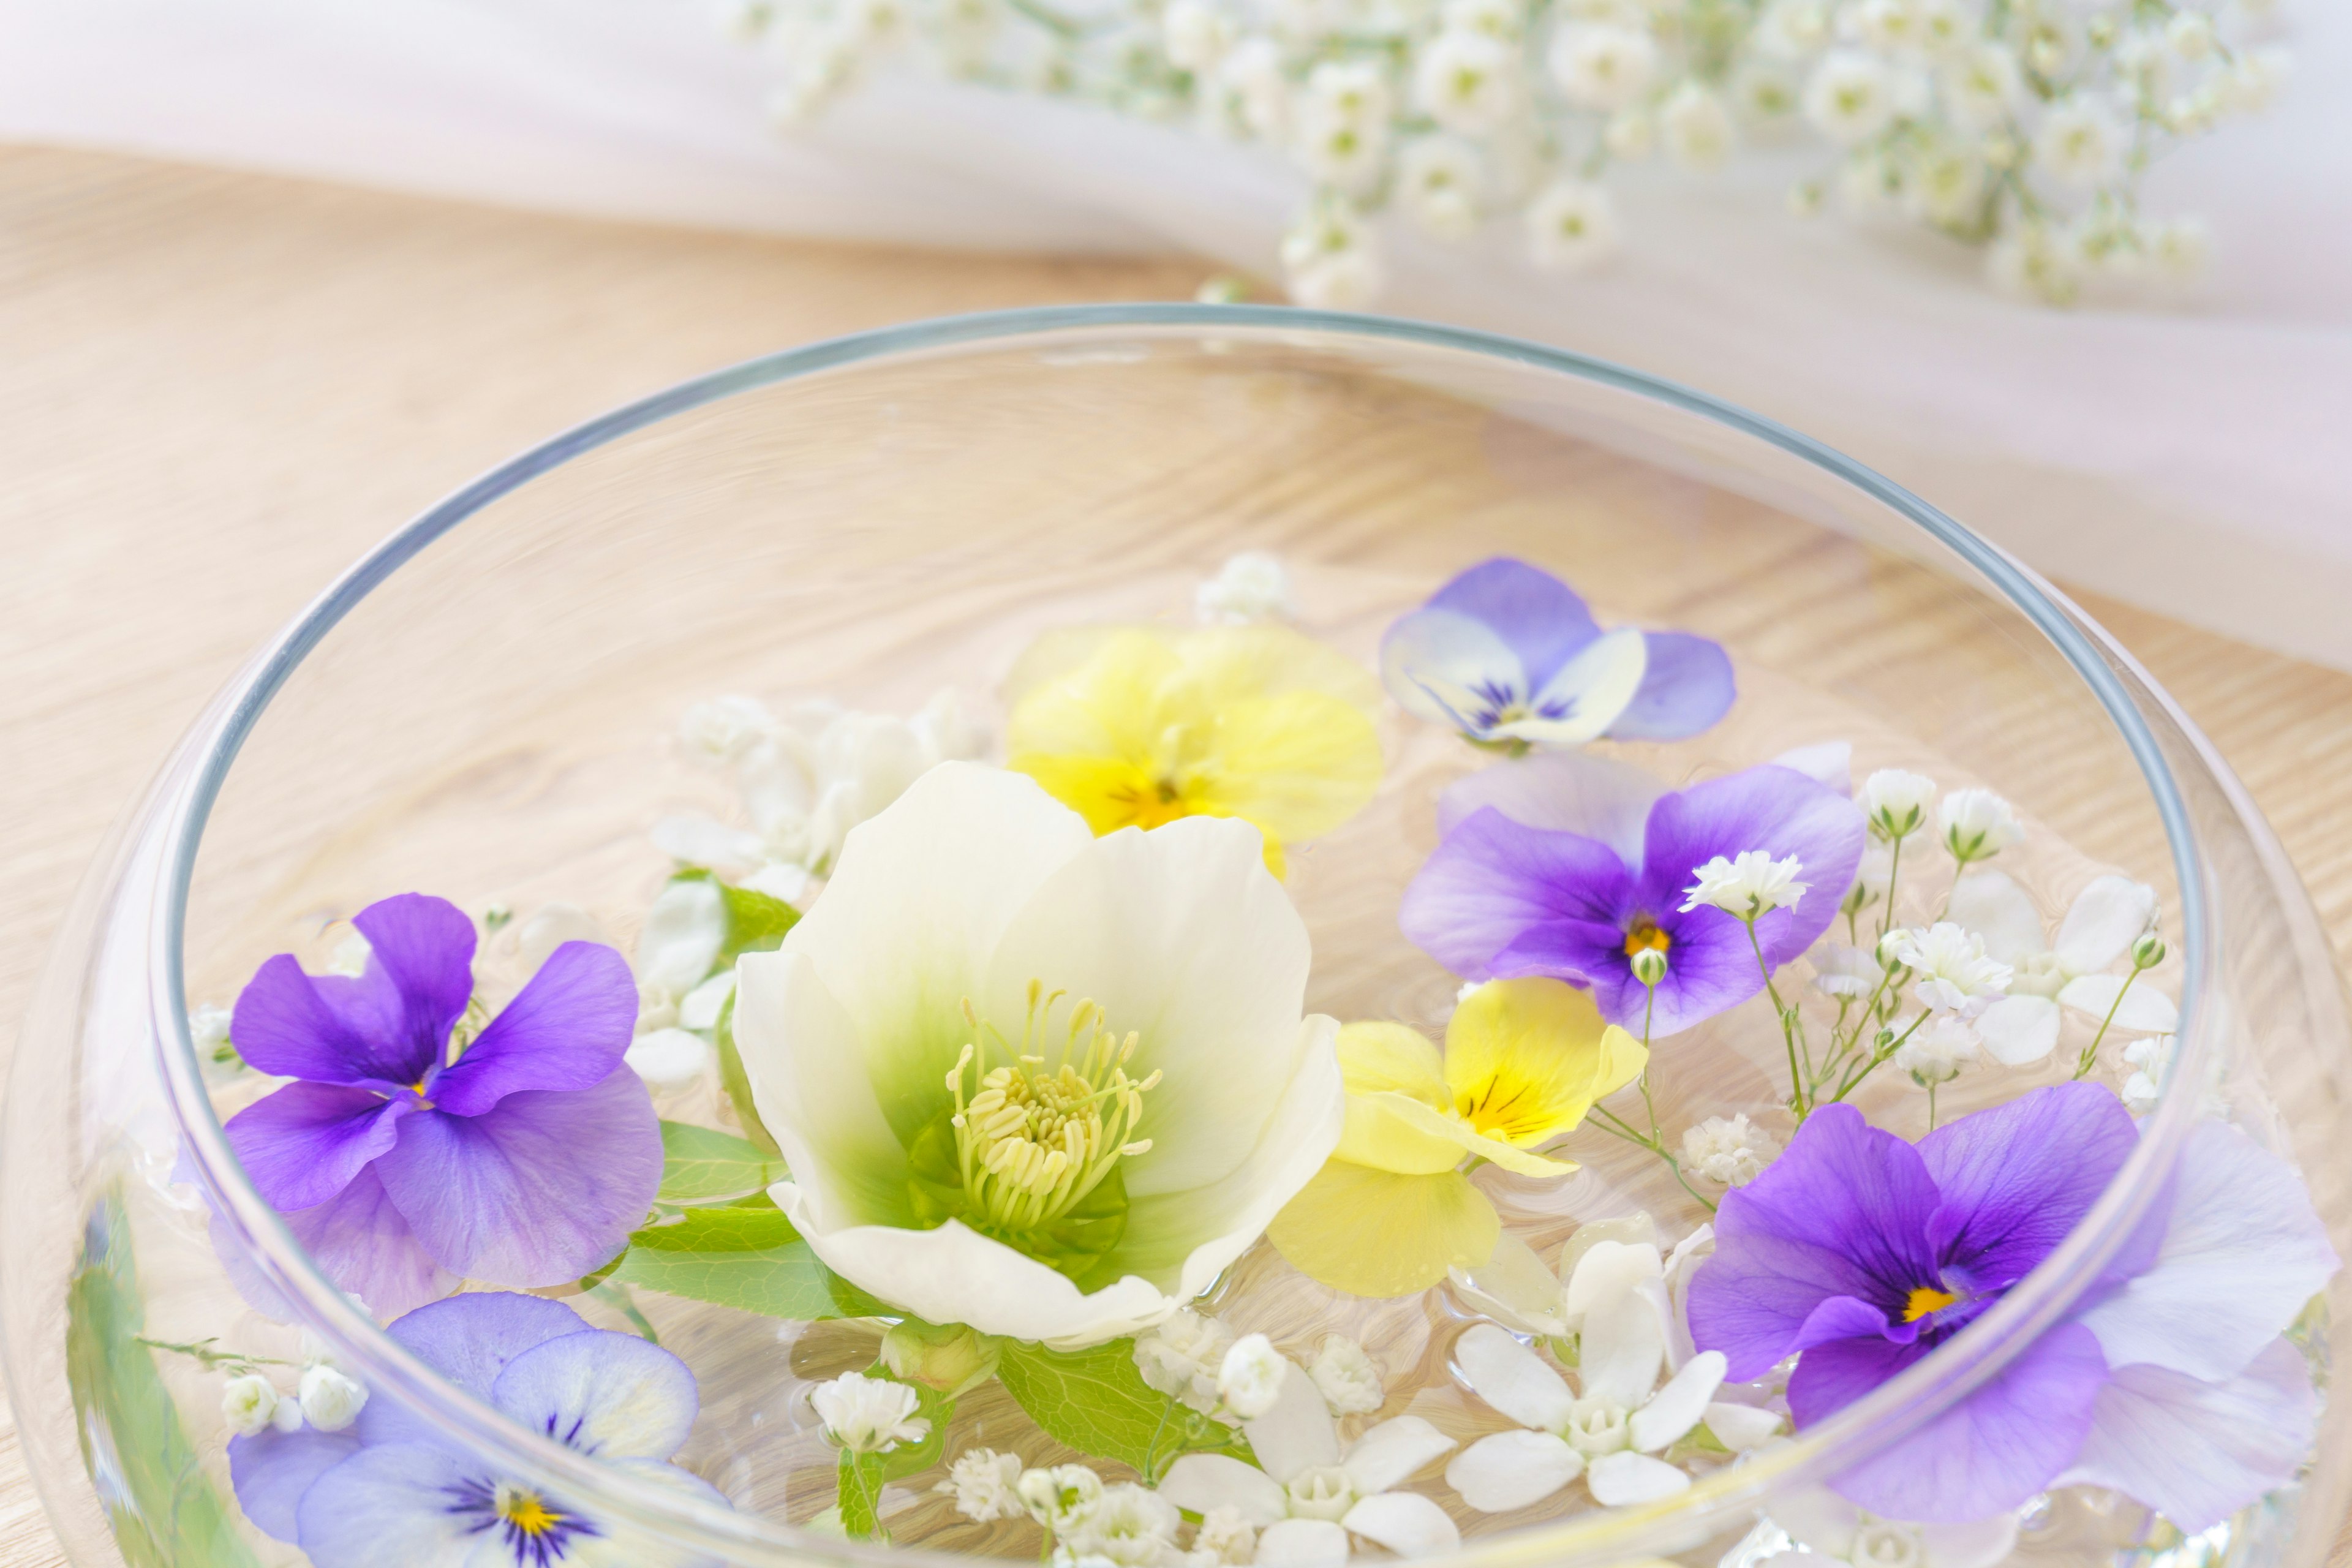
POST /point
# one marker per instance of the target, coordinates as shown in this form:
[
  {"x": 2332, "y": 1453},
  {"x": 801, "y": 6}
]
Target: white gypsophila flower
[
  {"x": 1889, "y": 27},
  {"x": 1466, "y": 81},
  {"x": 1730, "y": 1152},
  {"x": 1945, "y": 184},
  {"x": 962, "y": 30},
  {"x": 1251, "y": 1375},
  {"x": 1180, "y": 1357},
  {"x": 1327, "y": 259},
  {"x": 1850, "y": 974},
  {"x": 287, "y": 1415},
  {"x": 1251, "y": 73},
  {"x": 2150, "y": 1060},
  {"x": 330, "y": 1399},
  {"x": 1850, "y": 97},
  {"x": 2107, "y": 919},
  {"x": 1601, "y": 65},
  {"x": 1697, "y": 127},
  {"x": 1896, "y": 802},
  {"x": 208, "y": 1025},
  {"x": 1572, "y": 224},
  {"x": 1630, "y": 135},
  {"x": 2189, "y": 35},
  {"x": 1356, "y": 91},
  {"x": 1746, "y": 885},
  {"x": 1949, "y": 964},
  {"x": 723, "y": 731},
  {"x": 1794, "y": 29},
  {"x": 1225, "y": 1537},
  {"x": 1764, "y": 91},
  {"x": 247, "y": 1402},
  {"x": 981, "y": 1482},
  {"x": 1981, "y": 86},
  {"x": 1061, "y": 1498},
  {"x": 349, "y": 957},
  {"x": 1197, "y": 34},
  {"x": 1505, "y": 20},
  {"x": 1128, "y": 1527},
  {"x": 1345, "y": 1376},
  {"x": 1249, "y": 587},
  {"x": 2039, "y": 262},
  {"x": 2081, "y": 141},
  {"x": 1977, "y": 825},
  {"x": 869, "y": 1415},
  {"x": 1437, "y": 184},
  {"x": 1938, "y": 1048},
  {"x": 1342, "y": 150}
]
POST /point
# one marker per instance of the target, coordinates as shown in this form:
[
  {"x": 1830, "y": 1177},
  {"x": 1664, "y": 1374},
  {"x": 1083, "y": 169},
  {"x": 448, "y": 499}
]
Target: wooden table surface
[{"x": 216, "y": 390}]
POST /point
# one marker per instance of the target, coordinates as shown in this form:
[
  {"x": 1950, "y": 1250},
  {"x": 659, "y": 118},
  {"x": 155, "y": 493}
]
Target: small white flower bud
[
  {"x": 288, "y": 1417},
  {"x": 1896, "y": 802},
  {"x": 1250, "y": 1377},
  {"x": 1649, "y": 966},
  {"x": 1345, "y": 1376},
  {"x": 247, "y": 1402},
  {"x": 2147, "y": 952},
  {"x": 330, "y": 1401}
]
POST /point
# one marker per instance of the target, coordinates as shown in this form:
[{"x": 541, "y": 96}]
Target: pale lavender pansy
[
  {"x": 1859, "y": 1253},
  {"x": 405, "y": 1168},
  {"x": 1509, "y": 654},
  {"x": 390, "y": 1492},
  {"x": 1567, "y": 865}
]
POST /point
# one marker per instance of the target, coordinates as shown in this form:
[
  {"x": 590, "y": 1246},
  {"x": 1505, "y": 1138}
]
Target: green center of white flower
[{"x": 1037, "y": 1140}]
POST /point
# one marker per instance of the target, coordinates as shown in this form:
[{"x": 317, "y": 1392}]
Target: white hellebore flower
[
  {"x": 1949, "y": 962},
  {"x": 1313, "y": 1494},
  {"x": 1251, "y": 1376},
  {"x": 1041, "y": 1083},
  {"x": 330, "y": 1399},
  {"x": 1181, "y": 1358},
  {"x": 1603, "y": 65},
  {"x": 1896, "y": 802},
  {"x": 869, "y": 1415},
  {"x": 1250, "y": 587},
  {"x": 1827, "y": 1524},
  {"x": 2098, "y": 931},
  {"x": 1748, "y": 885},
  {"x": 1572, "y": 224},
  {"x": 247, "y": 1402},
  {"x": 1345, "y": 1376},
  {"x": 982, "y": 1482},
  {"x": 1977, "y": 825},
  {"x": 1729, "y": 1151},
  {"x": 1850, "y": 97}
]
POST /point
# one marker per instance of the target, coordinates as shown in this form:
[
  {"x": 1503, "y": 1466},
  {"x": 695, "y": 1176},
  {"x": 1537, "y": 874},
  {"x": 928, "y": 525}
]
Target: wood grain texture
[{"x": 219, "y": 389}]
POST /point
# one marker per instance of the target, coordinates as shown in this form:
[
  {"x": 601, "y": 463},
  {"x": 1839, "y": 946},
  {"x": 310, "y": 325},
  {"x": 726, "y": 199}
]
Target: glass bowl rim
[{"x": 1890, "y": 1411}]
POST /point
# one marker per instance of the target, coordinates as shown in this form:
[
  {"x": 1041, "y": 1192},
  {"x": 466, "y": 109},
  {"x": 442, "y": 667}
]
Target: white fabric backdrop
[{"x": 2196, "y": 461}]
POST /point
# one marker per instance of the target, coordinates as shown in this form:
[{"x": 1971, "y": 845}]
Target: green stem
[
  {"x": 1788, "y": 1032},
  {"x": 212, "y": 1360},
  {"x": 2091, "y": 1052},
  {"x": 1878, "y": 1058},
  {"x": 1893, "y": 872},
  {"x": 1151, "y": 1448}
]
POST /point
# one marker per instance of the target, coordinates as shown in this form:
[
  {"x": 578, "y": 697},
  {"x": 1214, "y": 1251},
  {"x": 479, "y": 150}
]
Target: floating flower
[
  {"x": 1134, "y": 727},
  {"x": 1250, "y": 587},
  {"x": 1860, "y": 1253},
  {"x": 332, "y": 1399},
  {"x": 1250, "y": 1377},
  {"x": 1345, "y": 1376},
  {"x": 404, "y": 1164},
  {"x": 1509, "y": 656},
  {"x": 982, "y": 1482},
  {"x": 1523, "y": 1061},
  {"x": 2100, "y": 927},
  {"x": 869, "y": 1415},
  {"x": 1977, "y": 825},
  {"x": 1744, "y": 885},
  {"x": 1061, "y": 1498},
  {"x": 387, "y": 1493},
  {"x": 1896, "y": 802},
  {"x": 1954, "y": 973},
  {"x": 1730, "y": 1152},
  {"x": 1312, "y": 1494},
  {"x": 1569, "y": 866},
  {"x": 1128, "y": 1527},
  {"x": 249, "y": 1403},
  {"x": 1938, "y": 1050},
  {"x": 1041, "y": 1083},
  {"x": 1179, "y": 1358},
  {"x": 1570, "y": 225},
  {"x": 1620, "y": 1417}
]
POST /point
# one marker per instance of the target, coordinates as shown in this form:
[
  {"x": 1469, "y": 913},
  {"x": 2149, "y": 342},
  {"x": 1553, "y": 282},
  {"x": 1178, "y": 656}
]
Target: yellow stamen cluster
[
  {"x": 1034, "y": 1141},
  {"x": 525, "y": 1510},
  {"x": 1924, "y": 1300}
]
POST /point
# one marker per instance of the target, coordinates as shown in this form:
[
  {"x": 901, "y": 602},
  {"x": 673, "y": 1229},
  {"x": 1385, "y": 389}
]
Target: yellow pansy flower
[
  {"x": 1392, "y": 1209},
  {"x": 1137, "y": 726}
]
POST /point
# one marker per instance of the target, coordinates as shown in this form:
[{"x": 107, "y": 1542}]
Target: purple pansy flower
[
  {"x": 526, "y": 1161},
  {"x": 1859, "y": 1253},
  {"x": 390, "y": 1492},
  {"x": 1509, "y": 656},
  {"x": 1567, "y": 866}
]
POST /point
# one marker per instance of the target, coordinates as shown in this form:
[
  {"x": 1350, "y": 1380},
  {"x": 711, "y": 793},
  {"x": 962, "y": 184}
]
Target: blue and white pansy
[
  {"x": 1510, "y": 656},
  {"x": 389, "y": 1492}
]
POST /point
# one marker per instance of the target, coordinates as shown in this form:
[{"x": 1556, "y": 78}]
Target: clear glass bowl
[{"x": 480, "y": 709}]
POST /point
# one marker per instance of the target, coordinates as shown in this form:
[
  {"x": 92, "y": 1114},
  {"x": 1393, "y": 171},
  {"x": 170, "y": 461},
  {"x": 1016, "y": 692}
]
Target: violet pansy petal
[
  {"x": 1775, "y": 809},
  {"x": 1562, "y": 792},
  {"x": 304, "y": 1143},
  {"x": 1582, "y": 952},
  {"x": 2007, "y": 1440},
  {"x": 1843, "y": 1212},
  {"x": 2197, "y": 1452},
  {"x": 541, "y": 1189},
  {"x": 388, "y": 1507},
  {"x": 1450, "y": 668},
  {"x": 424, "y": 947},
  {"x": 270, "y": 1470},
  {"x": 1491, "y": 878},
  {"x": 2242, "y": 1252},
  {"x": 363, "y": 1243},
  {"x": 611, "y": 1394},
  {"x": 2017, "y": 1177},
  {"x": 1539, "y": 616},
  {"x": 326, "y": 1028},
  {"x": 1687, "y": 687},
  {"x": 470, "y": 1339},
  {"x": 567, "y": 1029}
]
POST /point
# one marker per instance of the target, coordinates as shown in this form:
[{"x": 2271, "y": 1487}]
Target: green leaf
[
  {"x": 745, "y": 1255},
  {"x": 1095, "y": 1401},
  {"x": 860, "y": 1477},
  {"x": 738, "y": 1083},
  {"x": 859, "y": 1488},
  {"x": 700, "y": 1164},
  {"x": 755, "y": 922},
  {"x": 164, "y": 1513}
]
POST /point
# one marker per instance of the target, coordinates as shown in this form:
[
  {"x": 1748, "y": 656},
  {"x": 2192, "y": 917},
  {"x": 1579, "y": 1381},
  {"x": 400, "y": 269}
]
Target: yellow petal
[
  {"x": 1393, "y": 1133},
  {"x": 1527, "y": 1058},
  {"x": 1383, "y": 1057},
  {"x": 1376, "y": 1233},
  {"x": 1298, "y": 764}
]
